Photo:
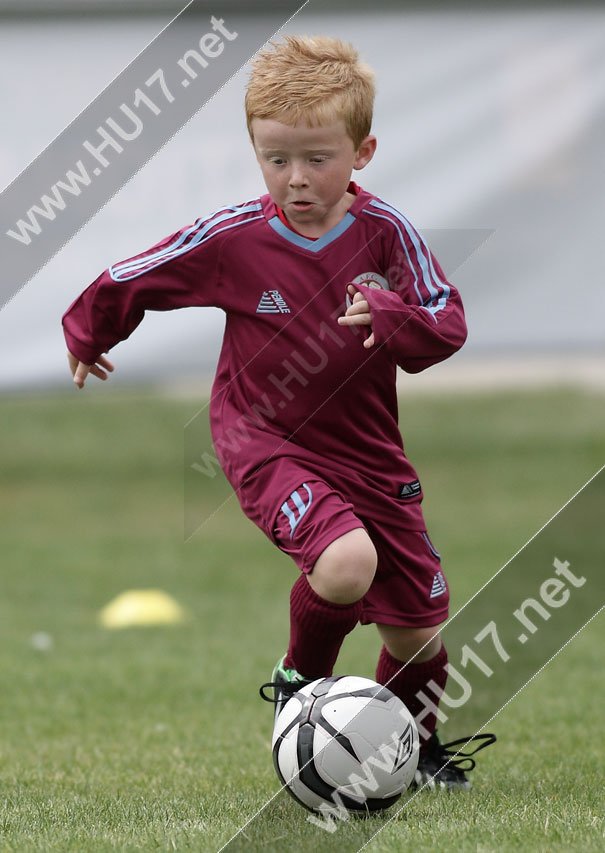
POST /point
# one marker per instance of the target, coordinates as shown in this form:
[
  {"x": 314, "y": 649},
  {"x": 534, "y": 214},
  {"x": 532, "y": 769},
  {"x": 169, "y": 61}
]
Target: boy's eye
[
  {"x": 318, "y": 159},
  {"x": 277, "y": 161}
]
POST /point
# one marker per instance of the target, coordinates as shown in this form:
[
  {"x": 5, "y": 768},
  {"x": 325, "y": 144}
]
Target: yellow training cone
[{"x": 141, "y": 607}]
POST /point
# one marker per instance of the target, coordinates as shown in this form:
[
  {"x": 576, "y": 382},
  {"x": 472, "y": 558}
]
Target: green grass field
[{"x": 155, "y": 738}]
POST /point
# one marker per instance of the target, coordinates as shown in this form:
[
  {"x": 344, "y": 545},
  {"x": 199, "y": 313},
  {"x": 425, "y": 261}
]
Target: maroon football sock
[
  {"x": 406, "y": 683},
  {"x": 317, "y": 630}
]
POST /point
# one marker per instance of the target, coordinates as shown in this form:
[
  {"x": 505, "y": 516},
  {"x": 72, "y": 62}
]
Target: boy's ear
[{"x": 365, "y": 152}]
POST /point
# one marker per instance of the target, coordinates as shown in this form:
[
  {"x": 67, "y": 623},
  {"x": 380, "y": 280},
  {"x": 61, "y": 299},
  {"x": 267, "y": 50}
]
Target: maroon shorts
[{"x": 409, "y": 588}]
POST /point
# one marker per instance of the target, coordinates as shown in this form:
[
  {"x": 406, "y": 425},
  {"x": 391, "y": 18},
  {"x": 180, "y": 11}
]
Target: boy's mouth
[{"x": 301, "y": 205}]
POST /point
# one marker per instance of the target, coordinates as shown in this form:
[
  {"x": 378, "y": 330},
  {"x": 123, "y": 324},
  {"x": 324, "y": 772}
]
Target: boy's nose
[{"x": 298, "y": 178}]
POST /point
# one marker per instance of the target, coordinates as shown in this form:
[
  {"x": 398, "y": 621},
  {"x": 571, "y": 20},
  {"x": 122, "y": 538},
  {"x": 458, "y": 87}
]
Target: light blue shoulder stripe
[
  {"x": 429, "y": 273},
  {"x": 405, "y": 249},
  {"x": 119, "y": 269},
  {"x": 183, "y": 250},
  {"x": 312, "y": 245}
]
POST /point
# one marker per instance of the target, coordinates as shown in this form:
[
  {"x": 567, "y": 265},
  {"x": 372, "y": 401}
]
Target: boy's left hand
[{"x": 358, "y": 314}]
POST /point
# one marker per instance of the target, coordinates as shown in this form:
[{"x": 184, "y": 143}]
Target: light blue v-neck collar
[{"x": 304, "y": 242}]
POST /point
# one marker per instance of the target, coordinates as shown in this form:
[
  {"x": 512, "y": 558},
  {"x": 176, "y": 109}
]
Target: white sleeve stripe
[
  {"x": 128, "y": 275},
  {"x": 422, "y": 302},
  {"x": 438, "y": 289},
  {"x": 176, "y": 248},
  {"x": 405, "y": 249}
]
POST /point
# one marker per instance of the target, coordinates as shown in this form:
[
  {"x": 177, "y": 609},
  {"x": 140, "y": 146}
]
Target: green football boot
[{"x": 284, "y": 684}]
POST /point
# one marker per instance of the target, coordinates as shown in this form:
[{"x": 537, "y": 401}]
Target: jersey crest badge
[
  {"x": 372, "y": 279},
  {"x": 369, "y": 279}
]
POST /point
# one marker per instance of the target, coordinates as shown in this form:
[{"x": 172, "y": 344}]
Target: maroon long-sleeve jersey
[{"x": 291, "y": 383}]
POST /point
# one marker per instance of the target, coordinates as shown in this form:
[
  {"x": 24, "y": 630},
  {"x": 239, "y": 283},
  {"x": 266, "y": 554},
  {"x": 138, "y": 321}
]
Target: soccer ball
[{"x": 345, "y": 742}]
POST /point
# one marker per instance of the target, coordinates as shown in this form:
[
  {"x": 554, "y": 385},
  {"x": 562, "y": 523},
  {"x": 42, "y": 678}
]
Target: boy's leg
[
  {"x": 440, "y": 765},
  {"x": 407, "y": 679},
  {"x": 337, "y": 559},
  {"x": 326, "y": 603},
  {"x": 408, "y": 601}
]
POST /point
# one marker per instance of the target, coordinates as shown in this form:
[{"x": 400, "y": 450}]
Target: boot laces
[
  {"x": 450, "y": 754},
  {"x": 285, "y": 688}
]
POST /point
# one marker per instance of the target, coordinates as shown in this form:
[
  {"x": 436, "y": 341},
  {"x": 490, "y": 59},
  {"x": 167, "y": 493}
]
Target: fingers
[
  {"x": 106, "y": 363},
  {"x": 73, "y": 363},
  {"x": 358, "y": 314},
  {"x": 355, "y": 320},
  {"x": 359, "y": 306},
  {"x": 356, "y": 295},
  {"x": 80, "y": 370},
  {"x": 98, "y": 371}
]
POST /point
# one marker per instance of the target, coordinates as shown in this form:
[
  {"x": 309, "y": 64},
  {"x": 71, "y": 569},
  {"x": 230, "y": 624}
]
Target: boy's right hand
[{"x": 80, "y": 370}]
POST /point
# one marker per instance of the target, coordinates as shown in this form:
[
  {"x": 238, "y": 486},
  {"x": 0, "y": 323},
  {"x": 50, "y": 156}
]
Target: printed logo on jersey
[
  {"x": 272, "y": 302},
  {"x": 295, "y": 515},
  {"x": 369, "y": 279},
  {"x": 439, "y": 586}
]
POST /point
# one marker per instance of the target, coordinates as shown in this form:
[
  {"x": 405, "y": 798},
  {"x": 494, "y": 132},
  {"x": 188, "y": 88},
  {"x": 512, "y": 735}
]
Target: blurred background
[
  {"x": 491, "y": 126},
  {"x": 490, "y": 120}
]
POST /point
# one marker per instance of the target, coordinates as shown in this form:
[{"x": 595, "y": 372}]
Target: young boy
[{"x": 326, "y": 290}]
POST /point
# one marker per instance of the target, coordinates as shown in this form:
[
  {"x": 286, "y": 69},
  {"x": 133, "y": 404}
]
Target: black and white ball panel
[{"x": 346, "y": 736}]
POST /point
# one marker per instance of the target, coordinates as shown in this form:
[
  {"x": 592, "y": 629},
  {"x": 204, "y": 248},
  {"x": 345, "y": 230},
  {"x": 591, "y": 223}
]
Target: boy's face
[{"x": 307, "y": 170}]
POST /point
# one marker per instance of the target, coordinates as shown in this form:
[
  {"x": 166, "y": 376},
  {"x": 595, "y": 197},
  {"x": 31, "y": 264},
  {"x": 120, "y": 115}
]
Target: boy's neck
[{"x": 312, "y": 232}]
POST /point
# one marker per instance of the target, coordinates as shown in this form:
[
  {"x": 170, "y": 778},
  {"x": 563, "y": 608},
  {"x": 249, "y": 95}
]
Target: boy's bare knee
[
  {"x": 422, "y": 644},
  {"x": 345, "y": 570}
]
